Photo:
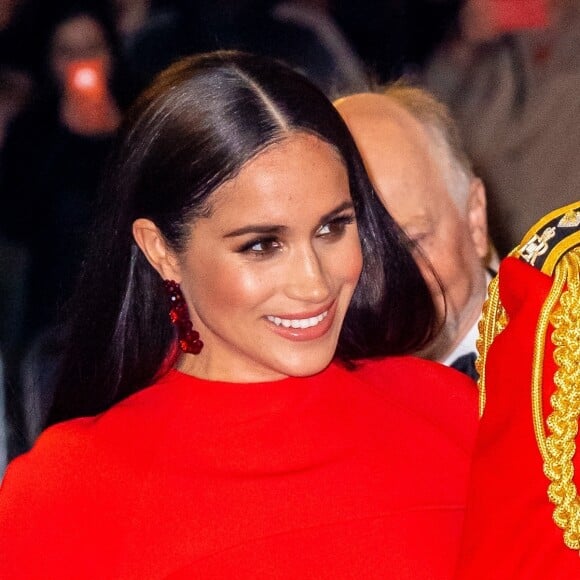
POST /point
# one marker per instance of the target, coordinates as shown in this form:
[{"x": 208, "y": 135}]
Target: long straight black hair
[{"x": 192, "y": 130}]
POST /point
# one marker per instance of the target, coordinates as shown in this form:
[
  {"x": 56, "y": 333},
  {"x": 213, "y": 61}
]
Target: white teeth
[{"x": 298, "y": 322}]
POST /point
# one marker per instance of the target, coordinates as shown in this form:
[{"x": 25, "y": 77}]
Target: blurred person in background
[
  {"x": 52, "y": 165},
  {"x": 16, "y": 82},
  {"x": 511, "y": 75},
  {"x": 55, "y": 150},
  {"x": 416, "y": 161},
  {"x": 16, "y": 89}
]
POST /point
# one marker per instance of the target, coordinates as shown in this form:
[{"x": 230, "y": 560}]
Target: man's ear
[
  {"x": 154, "y": 245},
  {"x": 477, "y": 217}
]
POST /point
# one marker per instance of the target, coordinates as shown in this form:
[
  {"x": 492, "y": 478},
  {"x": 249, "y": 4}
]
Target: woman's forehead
[{"x": 300, "y": 173}]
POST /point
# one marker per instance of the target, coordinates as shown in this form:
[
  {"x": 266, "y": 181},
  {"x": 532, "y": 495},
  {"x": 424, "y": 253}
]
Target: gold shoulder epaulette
[{"x": 550, "y": 238}]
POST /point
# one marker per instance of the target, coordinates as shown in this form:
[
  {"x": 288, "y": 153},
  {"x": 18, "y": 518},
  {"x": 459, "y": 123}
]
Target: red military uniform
[{"x": 523, "y": 512}]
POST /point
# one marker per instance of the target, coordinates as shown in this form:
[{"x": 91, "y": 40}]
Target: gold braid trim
[
  {"x": 562, "y": 310},
  {"x": 492, "y": 322},
  {"x": 538, "y": 357}
]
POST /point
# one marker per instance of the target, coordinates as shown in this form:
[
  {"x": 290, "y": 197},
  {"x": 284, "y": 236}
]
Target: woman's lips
[
  {"x": 298, "y": 322},
  {"x": 303, "y": 326}
]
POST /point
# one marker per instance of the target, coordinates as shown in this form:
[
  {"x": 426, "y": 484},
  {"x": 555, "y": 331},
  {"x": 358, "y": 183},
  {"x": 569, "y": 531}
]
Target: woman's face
[{"x": 269, "y": 276}]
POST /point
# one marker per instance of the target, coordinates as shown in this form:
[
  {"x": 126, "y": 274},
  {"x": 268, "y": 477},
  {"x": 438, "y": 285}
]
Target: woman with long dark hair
[{"x": 233, "y": 398}]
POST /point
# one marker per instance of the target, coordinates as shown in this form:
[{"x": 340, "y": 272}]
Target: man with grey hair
[{"x": 415, "y": 159}]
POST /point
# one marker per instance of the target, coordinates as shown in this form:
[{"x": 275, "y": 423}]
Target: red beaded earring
[{"x": 187, "y": 337}]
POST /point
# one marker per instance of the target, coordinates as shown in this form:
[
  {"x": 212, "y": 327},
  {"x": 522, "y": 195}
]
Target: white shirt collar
[{"x": 468, "y": 343}]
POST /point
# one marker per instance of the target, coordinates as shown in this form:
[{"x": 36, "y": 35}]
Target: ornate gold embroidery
[
  {"x": 492, "y": 322},
  {"x": 537, "y": 245},
  {"x": 562, "y": 309},
  {"x": 571, "y": 219}
]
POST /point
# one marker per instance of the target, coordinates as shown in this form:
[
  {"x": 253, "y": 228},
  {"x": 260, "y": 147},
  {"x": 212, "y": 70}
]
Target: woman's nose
[{"x": 307, "y": 280}]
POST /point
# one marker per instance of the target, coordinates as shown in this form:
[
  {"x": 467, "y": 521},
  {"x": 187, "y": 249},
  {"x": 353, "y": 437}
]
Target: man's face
[{"x": 407, "y": 170}]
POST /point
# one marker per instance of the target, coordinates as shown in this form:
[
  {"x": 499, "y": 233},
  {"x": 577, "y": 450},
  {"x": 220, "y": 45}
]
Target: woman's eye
[
  {"x": 260, "y": 247},
  {"x": 335, "y": 227}
]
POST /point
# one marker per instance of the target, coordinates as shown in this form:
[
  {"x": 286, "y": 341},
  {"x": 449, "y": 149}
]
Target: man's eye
[{"x": 417, "y": 239}]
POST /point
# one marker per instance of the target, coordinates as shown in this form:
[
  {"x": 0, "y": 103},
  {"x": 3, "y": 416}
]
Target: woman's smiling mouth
[
  {"x": 298, "y": 322},
  {"x": 309, "y": 326}
]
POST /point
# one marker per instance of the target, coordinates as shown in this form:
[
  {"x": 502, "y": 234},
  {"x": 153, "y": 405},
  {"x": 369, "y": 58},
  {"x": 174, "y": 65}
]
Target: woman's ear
[{"x": 154, "y": 245}]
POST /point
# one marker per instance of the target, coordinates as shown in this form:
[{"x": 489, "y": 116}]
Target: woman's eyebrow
[
  {"x": 272, "y": 229},
  {"x": 256, "y": 229}
]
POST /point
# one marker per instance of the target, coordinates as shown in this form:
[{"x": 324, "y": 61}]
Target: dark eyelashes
[
  {"x": 338, "y": 223},
  {"x": 268, "y": 243},
  {"x": 342, "y": 220},
  {"x": 265, "y": 241}
]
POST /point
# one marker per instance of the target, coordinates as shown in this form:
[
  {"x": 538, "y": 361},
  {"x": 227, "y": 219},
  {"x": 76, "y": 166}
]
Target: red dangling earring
[{"x": 188, "y": 338}]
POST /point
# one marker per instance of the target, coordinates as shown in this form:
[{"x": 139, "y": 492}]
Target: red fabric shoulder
[
  {"x": 301, "y": 478},
  {"x": 440, "y": 394}
]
